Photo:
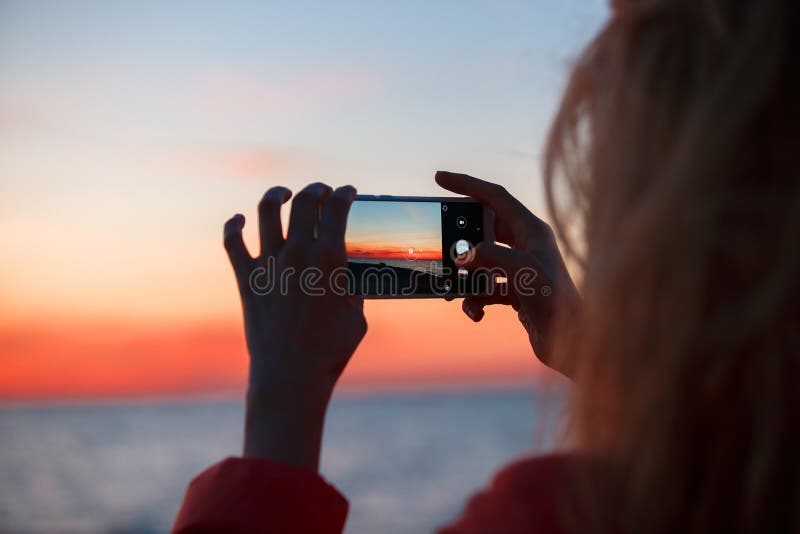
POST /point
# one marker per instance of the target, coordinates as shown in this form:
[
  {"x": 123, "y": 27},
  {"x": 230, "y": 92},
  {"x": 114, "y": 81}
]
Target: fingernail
[
  {"x": 461, "y": 259},
  {"x": 472, "y": 314}
]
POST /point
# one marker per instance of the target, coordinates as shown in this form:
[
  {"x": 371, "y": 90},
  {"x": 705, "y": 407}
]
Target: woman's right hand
[{"x": 533, "y": 261}]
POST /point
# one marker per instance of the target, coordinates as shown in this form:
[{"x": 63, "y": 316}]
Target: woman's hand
[
  {"x": 547, "y": 287},
  {"x": 300, "y": 333}
]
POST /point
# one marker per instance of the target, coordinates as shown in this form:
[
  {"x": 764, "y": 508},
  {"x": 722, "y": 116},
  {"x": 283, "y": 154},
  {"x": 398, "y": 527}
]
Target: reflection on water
[{"x": 406, "y": 463}]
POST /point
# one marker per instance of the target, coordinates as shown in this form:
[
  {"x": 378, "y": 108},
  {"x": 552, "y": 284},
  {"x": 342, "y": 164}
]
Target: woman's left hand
[{"x": 301, "y": 332}]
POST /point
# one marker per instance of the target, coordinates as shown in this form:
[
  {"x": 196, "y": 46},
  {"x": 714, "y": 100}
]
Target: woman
[{"x": 675, "y": 142}]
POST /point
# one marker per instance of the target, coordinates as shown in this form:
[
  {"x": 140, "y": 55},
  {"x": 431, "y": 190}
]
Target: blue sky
[
  {"x": 143, "y": 125},
  {"x": 397, "y": 225}
]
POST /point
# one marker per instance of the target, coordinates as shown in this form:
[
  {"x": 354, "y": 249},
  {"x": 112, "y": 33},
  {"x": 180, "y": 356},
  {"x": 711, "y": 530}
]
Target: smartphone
[{"x": 404, "y": 247}]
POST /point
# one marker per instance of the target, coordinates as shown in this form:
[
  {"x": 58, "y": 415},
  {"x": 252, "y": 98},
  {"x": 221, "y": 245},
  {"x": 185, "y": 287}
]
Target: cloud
[
  {"x": 237, "y": 92},
  {"x": 248, "y": 164},
  {"x": 19, "y": 117},
  {"x": 209, "y": 99}
]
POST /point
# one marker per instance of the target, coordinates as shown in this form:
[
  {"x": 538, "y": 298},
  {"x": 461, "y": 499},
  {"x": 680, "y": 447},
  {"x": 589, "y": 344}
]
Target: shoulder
[
  {"x": 537, "y": 473},
  {"x": 531, "y": 495}
]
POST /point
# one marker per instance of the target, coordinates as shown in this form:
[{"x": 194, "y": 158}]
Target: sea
[
  {"x": 433, "y": 267},
  {"x": 407, "y": 462}
]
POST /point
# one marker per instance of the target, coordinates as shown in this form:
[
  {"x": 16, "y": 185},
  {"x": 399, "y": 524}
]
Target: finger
[
  {"x": 234, "y": 244},
  {"x": 523, "y": 224},
  {"x": 269, "y": 219},
  {"x": 305, "y": 211},
  {"x": 357, "y": 301},
  {"x": 473, "y": 305},
  {"x": 491, "y": 256},
  {"x": 493, "y": 195},
  {"x": 334, "y": 215},
  {"x": 473, "y": 308}
]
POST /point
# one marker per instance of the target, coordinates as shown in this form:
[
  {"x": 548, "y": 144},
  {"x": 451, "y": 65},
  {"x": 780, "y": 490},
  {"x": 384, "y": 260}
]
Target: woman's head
[{"x": 673, "y": 147}]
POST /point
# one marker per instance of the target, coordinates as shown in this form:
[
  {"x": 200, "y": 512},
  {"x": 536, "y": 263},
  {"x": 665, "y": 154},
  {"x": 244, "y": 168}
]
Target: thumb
[{"x": 492, "y": 256}]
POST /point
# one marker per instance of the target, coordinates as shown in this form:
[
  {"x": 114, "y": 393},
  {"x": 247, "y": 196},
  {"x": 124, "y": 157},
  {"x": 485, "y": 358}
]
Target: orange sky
[
  {"x": 156, "y": 314},
  {"x": 370, "y": 250},
  {"x": 408, "y": 343}
]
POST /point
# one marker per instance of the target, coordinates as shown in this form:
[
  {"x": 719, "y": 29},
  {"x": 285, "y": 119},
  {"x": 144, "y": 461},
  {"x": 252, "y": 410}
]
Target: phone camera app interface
[{"x": 406, "y": 248}]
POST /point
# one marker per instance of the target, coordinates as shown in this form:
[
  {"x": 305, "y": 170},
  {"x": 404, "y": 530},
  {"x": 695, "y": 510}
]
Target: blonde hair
[{"x": 673, "y": 148}]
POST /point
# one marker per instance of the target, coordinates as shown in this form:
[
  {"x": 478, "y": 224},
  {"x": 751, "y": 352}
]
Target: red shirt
[{"x": 244, "y": 495}]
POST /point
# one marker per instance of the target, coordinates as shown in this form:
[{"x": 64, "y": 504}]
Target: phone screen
[{"x": 405, "y": 248}]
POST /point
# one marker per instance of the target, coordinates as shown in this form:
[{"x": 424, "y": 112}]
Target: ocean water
[
  {"x": 433, "y": 267},
  {"x": 407, "y": 463}
]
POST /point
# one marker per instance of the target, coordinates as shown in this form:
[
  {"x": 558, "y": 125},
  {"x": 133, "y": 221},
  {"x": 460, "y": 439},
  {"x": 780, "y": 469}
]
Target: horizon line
[{"x": 536, "y": 384}]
